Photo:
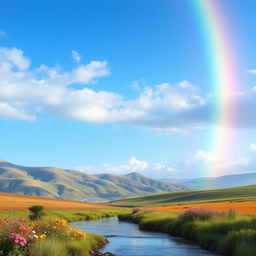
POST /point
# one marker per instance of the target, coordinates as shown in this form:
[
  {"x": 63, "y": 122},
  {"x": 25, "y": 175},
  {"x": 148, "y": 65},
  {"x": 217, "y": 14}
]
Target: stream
[{"x": 126, "y": 239}]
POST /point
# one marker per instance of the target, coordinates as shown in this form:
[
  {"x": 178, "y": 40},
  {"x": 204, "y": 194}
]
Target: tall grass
[
  {"x": 229, "y": 235},
  {"x": 56, "y": 247}
]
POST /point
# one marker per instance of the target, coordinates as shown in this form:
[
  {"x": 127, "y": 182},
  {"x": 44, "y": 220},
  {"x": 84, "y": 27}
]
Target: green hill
[
  {"x": 245, "y": 193},
  {"x": 68, "y": 184}
]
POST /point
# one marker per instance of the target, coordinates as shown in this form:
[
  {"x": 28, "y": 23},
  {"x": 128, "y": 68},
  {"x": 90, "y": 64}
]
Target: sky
[{"x": 166, "y": 88}]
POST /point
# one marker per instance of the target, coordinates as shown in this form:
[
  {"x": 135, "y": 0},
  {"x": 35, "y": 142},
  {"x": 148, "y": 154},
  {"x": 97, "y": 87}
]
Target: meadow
[
  {"x": 51, "y": 235},
  {"x": 16, "y": 202},
  {"x": 241, "y": 199}
]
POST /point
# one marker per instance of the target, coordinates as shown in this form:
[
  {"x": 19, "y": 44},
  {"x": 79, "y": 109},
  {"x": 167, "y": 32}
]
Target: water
[{"x": 126, "y": 239}]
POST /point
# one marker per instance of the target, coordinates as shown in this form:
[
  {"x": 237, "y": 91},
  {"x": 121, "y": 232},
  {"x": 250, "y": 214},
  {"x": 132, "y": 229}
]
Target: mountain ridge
[
  {"x": 55, "y": 182},
  {"x": 225, "y": 181}
]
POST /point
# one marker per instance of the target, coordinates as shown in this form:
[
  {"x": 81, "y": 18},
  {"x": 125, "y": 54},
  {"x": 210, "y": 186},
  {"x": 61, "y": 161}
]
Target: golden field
[
  {"x": 15, "y": 202},
  {"x": 240, "y": 207}
]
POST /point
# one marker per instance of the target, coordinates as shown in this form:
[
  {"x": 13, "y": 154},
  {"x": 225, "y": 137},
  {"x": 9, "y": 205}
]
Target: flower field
[
  {"x": 21, "y": 237},
  {"x": 248, "y": 207}
]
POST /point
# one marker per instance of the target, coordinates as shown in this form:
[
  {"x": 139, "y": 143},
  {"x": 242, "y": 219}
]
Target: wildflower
[{"x": 18, "y": 239}]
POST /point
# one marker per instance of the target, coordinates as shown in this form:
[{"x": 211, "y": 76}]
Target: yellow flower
[
  {"x": 76, "y": 234},
  {"x": 42, "y": 236}
]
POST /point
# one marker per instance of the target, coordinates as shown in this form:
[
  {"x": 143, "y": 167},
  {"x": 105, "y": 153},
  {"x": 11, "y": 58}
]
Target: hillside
[
  {"x": 68, "y": 184},
  {"x": 226, "y": 181},
  {"x": 246, "y": 193}
]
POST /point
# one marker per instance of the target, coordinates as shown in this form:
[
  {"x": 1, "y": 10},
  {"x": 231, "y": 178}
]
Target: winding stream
[{"x": 126, "y": 239}]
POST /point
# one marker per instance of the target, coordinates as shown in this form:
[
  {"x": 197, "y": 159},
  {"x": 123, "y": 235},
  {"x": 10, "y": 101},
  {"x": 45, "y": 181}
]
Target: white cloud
[
  {"x": 2, "y": 33},
  {"x": 216, "y": 164},
  {"x": 252, "y": 71},
  {"x": 201, "y": 164},
  {"x": 76, "y": 56},
  {"x": 253, "y": 146},
  {"x": 156, "y": 170},
  {"x": 137, "y": 164},
  {"x": 165, "y": 108},
  {"x": 13, "y": 58}
]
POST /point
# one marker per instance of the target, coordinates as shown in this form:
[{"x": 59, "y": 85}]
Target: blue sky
[{"x": 117, "y": 86}]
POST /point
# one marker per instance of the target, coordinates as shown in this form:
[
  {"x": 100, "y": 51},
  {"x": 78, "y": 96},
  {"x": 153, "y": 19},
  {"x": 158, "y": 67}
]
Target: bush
[
  {"x": 204, "y": 214},
  {"x": 36, "y": 212}
]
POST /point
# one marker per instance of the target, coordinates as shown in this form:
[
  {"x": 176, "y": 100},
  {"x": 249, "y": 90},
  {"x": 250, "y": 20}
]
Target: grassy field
[
  {"x": 14, "y": 205},
  {"x": 248, "y": 208},
  {"x": 238, "y": 194},
  {"x": 58, "y": 239},
  {"x": 15, "y": 202},
  {"x": 228, "y": 235}
]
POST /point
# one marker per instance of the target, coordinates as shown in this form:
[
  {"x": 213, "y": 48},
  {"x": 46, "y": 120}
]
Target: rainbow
[{"x": 221, "y": 46}]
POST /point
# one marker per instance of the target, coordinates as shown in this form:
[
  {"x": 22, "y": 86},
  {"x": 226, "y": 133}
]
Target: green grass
[
  {"x": 48, "y": 247},
  {"x": 227, "y": 236},
  {"x": 246, "y": 193},
  {"x": 70, "y": 215}
]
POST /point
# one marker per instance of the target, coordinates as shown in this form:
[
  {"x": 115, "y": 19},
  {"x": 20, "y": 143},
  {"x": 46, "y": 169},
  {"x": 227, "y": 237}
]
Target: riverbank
[
  {"x": 234, "y": 236},
  {"x": 69, "y": 215}
]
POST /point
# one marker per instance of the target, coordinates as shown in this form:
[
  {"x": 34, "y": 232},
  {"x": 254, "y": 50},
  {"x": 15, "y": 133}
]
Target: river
[{"x": 126, "y": 239}]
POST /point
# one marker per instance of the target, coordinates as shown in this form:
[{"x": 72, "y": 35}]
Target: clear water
[{"x": 126, "y": 239}]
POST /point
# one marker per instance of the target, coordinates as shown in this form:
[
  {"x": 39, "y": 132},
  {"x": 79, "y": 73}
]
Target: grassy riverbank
[
  {"x": 51, "y": 235},
  {"x": 58, "y": 247},
  {"x": 70, "y": 215},
  {"x": 48, "y": 236},
  {"x": 227, "y": 235}
]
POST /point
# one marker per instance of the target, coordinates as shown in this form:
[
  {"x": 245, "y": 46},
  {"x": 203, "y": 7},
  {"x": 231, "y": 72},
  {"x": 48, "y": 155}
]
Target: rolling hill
[
  {"x": 226, "y": 181},
  {"x": 237, "y": 194},
  {"x": 68, "y": 184}
]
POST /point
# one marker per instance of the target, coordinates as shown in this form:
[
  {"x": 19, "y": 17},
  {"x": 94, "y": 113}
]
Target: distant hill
[
  {"x": 68, "y": 184},
  {"x": 226, "y": 181},
  {"x": 244, "y": 193}
]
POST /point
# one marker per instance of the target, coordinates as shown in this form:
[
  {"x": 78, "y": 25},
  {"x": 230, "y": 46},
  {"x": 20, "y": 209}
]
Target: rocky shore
[{"x": 95, "y": 249}]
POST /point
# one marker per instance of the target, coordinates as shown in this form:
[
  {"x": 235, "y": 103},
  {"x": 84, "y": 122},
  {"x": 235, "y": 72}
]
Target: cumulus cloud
[
  {"x": 76, "y": 56},
  {"x": 253, "y": 146},
  {"x": 201, "y": 164},
  {"x": 137, "y": 164},
  {"x": 25, "y": 93},
  {"x": 134, "y": 165},
  {"x": 205, "y": 164}
]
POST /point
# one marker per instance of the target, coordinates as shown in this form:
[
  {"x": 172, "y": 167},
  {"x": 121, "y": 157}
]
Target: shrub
[
  {"x": 36, "y": 212},
  {"x": 202, "y": 214},
  {"x": 136, "y": 210}
]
